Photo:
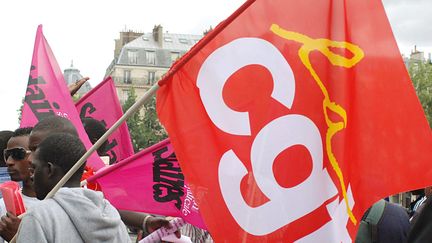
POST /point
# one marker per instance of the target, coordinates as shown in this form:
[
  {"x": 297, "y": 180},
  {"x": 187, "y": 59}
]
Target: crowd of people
[{"x": 38, "y": 158}]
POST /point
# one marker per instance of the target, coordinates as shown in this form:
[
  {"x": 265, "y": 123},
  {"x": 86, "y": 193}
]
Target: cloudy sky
[
  {"x": 84, "y": 31},
  {"x": 411, "y": 21}
]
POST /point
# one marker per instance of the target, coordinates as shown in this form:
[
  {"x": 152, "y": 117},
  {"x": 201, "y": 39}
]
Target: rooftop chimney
[{"x": 158, "y": 34}]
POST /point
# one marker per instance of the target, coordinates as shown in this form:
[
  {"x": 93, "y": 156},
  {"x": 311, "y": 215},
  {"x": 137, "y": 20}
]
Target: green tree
[
  {"x": 144, "y": 127},
  {"x": 421, "y": 76},
  {"x": 20, "y": 111},
  {"x": 153, "y": 132}
]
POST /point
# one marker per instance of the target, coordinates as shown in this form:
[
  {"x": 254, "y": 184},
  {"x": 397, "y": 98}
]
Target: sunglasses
[{"x": 16, "y": 153}]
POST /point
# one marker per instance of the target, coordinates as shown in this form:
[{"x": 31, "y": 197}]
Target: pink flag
[
  {"x": 150, "y": 181},
  {"x": 47, "y": 94},
  {"x": 102, "y": 104}
]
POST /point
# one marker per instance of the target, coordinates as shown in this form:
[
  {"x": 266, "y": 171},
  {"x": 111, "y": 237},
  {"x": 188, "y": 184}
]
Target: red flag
[
  {"x": 294, "y": 119},
  {"x": 47, "y": 94},
  {"x": 102, "y": 104},
  {"x": 150, "y": 181}
]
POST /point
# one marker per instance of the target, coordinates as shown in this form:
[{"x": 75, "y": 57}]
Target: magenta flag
[
  {"x": 102, "y": 104},
  {"x": 47, "y": 94},
  {"x": 150, "y": 181}
]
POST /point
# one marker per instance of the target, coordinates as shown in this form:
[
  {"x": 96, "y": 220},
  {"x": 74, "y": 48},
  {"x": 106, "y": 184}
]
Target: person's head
[
  {"x": 95, "y": 129},
  {"x": 4, "y": 138},
  {"x": 48, "y": 126},
  {"x": 418, "y": 192},
  {"x": 53, "y": 158},
  {"x": 17, "y": 153}
]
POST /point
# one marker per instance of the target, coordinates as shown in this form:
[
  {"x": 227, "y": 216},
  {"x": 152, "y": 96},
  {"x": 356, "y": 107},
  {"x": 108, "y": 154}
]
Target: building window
[
  {"x": 125, "y": 95},
  {"x": 133, "y": 56},
  {"x": 127, "y": 77},
  {"x": 174, "y": 56},
  {"x": 168, "y": 39},
  {"x": 151, "y": 57},
  {"x": 151, "y": 78},
  {"x": 183, "y": 41}
]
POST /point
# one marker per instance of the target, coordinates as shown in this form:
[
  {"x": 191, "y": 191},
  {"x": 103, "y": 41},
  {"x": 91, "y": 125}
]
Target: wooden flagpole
[
  {"x": 150, "y": 93},
  {"x": 180, "y": 63}
]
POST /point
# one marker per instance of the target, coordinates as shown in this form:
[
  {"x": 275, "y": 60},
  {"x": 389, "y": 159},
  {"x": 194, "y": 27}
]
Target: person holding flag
[{"x": 74, "y": 214}]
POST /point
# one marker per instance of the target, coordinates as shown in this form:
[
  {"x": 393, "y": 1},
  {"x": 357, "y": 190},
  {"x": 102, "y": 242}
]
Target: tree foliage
[
  {"x": 20, "y": 111},
  {"x": 144, "y": 126},
  {"x": 421, "y": 76}
]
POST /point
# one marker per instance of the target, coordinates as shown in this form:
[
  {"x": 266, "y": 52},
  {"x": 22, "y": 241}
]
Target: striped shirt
[{"x": 419, "y": 203}]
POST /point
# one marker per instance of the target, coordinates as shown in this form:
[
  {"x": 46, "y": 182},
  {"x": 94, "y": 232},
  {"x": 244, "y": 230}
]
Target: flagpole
[
  {"x": 210, "y": 36},
  {"x": 145, "y": 98},
  {"x": 134, "y": 108}
]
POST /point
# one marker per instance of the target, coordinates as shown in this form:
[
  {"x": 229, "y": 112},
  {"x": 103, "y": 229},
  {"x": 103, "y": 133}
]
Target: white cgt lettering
[
  {"x": 275, "y": 137},
  {"x": 228, "y": 59}
]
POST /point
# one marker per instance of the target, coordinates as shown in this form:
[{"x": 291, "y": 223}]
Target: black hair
[
  {"x": 22, "y": 131},
  {"x": 56, "y": 124},
  {"x": 63, "y": 150},
  {"x": 4, "y": 138},
  {"x": 95, "y": 129}
]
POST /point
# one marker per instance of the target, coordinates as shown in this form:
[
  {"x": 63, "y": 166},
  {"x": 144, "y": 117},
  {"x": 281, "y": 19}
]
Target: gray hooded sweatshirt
[{"x": 73, "y": 215}]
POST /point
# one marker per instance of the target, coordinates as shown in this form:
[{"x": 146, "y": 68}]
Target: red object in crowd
[
  {"x": 88, "y": 172},
  {"x": 12, "y": 197}
]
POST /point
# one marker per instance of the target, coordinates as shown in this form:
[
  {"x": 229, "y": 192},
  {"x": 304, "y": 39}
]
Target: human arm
[
  {"x": 146, "y": 222},
  {"x": 74, "y": 87}
]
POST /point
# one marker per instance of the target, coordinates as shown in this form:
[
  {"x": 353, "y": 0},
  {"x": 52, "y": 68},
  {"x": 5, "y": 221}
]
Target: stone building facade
[{"x": 140, "y": 59}]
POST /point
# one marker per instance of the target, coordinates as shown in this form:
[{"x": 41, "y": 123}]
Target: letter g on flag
[{"x": 275, "y": 137}]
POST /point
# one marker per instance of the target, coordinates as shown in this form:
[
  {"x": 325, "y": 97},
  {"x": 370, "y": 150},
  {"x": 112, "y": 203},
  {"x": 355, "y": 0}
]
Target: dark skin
[
  {"x": 19, "y": 171},
  {"x": 133, "y": 219},
  {"x": 9, "y": 224},
  {"x": 136, "y": 219},
  {"x": 46, "y": 175}
]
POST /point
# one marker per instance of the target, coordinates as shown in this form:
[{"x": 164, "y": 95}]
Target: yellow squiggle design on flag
[{"x": 322, "y": 45}]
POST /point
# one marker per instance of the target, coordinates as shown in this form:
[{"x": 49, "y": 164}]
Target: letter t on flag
[
  {"x": 294, "y": 119},
  {"x": 47, "y": 94}
]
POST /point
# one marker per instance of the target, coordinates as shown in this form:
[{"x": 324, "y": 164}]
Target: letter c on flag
[
  {"x": 228, "y": 59},
  {"x": 277, "y": 136}
]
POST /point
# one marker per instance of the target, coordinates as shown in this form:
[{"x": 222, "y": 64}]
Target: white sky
[{"x": 84, "y": 31}]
